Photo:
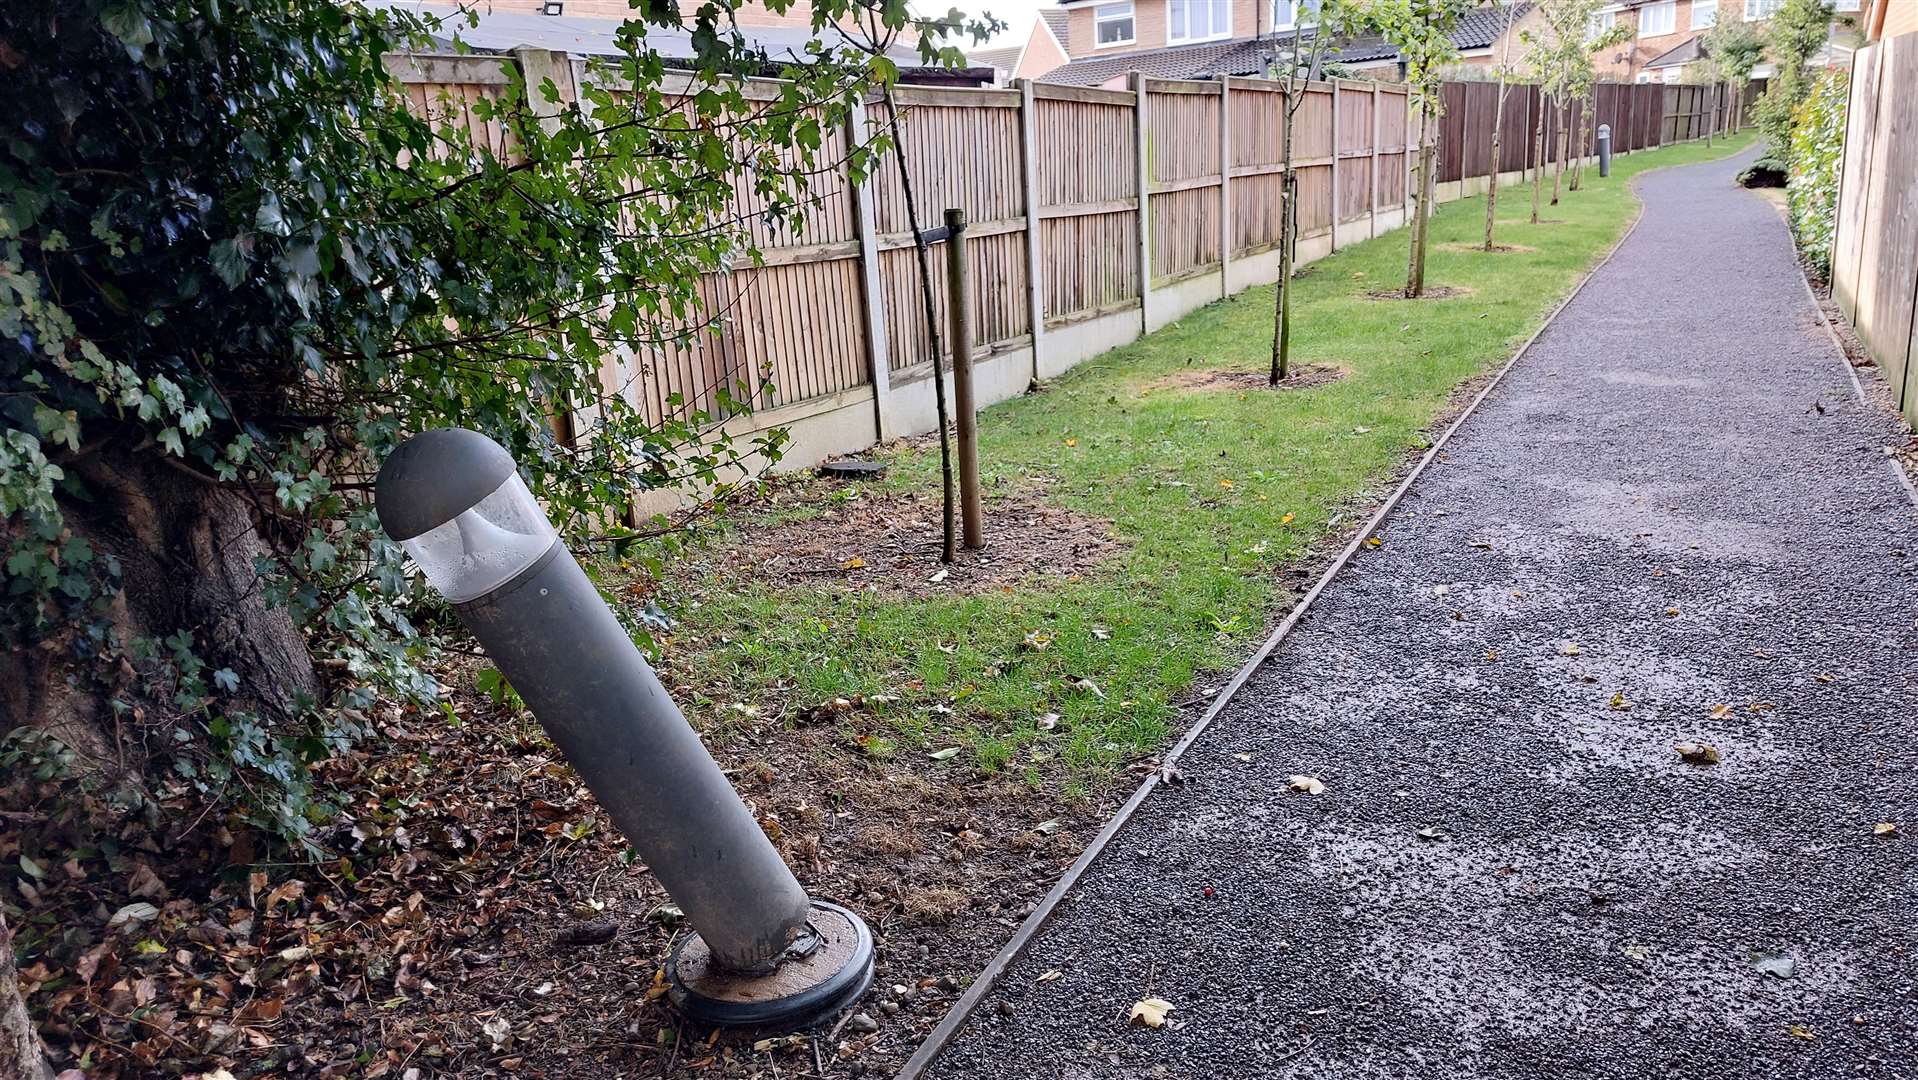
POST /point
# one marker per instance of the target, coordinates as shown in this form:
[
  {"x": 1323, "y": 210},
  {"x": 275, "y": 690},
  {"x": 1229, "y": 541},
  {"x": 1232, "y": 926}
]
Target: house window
[
  {"x": 1112, "y": 25},
  {"x": 1596, "y": 24},
  {"x": 1199, "y": 20},
  {"x": 1656, "y": 19},
  {"x": 1289, "y": 13},
  {"x": 1761, "y": 9},
  {"x": 1704, "y": 14},
  {"x": 1842, "y": 6}
]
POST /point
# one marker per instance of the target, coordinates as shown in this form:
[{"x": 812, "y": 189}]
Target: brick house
[
  {"x": 1197, "y": 39},
  {"x": 1042, "y": 50},
  {"x": 1664, "y": 33}
]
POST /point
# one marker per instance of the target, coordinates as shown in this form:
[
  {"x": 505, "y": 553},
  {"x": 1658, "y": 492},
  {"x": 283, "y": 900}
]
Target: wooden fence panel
[
  {"x": 1355, "y": 149},
  {"x": 1450, "y": 157},
  {"x": 1183, "y": 164},
  {"x": 1256, "y": 115},
  {"x": 1861, "y": 126},
  {"x": 1087, "y": 194},
  {"x": 1887, "y": 293},
  {"x": 1393, "y": 131}
]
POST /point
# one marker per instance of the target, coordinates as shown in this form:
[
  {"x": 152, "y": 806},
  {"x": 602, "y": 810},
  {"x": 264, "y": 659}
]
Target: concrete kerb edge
[{"x": 988, "y": 978}]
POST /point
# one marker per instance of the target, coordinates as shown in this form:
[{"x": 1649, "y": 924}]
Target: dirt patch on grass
[
  {"x": 1479, "y": 249},
  {"x": 1432, "y": 292},
  {"x": 1197, "y": 380},
  {"x": 891, "y": 541}
]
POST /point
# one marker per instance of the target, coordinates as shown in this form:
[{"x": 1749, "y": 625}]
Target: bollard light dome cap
[{"x": 434, "y": 476}]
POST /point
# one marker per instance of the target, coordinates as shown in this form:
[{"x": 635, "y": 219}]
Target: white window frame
[
  {"x": 1846, "y": 7},
  {"x": 1292, "y": 19},
  {"x": 1597, "y": 23},
  {"x": 1670, "y": 10},
  {"x": 1708, "y": 6},
  {"x": 1112, "y": 13},
  {"x": 1211, "y": 11},
  {"x": 1760, "y": 10}
]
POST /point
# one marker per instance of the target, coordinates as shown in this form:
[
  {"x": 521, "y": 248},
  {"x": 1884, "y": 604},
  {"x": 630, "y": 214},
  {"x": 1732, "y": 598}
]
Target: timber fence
[
  {"x": 1067, "y": 259},
  {"x": 1874, "y": 262}
]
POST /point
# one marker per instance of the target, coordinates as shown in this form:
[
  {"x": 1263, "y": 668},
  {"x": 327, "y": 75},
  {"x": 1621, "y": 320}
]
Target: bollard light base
[{"x": 802, "y": 991}]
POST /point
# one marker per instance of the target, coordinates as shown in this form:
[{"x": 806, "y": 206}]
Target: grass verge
[{"x": 1213, "y": 494}]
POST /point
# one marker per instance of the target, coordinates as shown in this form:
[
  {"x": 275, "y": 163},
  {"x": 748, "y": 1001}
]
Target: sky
[{"x": 1017, "y": 14}]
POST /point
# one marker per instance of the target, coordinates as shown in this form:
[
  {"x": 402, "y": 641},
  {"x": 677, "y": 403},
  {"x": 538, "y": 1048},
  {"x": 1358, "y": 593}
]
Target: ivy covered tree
[
  {"x": 1798, "y": 30},
  {"x": 236, "y": 269}
]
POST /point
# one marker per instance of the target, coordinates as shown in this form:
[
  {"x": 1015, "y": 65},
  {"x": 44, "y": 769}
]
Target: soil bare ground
[
  {"x": 860, "y": 536},
  {"x": 1203, "y": 379},
  {"x": 1432, "y": 292}
]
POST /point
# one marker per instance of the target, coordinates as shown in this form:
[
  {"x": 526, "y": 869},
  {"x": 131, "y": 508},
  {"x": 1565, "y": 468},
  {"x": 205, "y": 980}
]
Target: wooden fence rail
[
  {"x": 1874, "y": 263},
  {"x": 1095, "y": 215}
]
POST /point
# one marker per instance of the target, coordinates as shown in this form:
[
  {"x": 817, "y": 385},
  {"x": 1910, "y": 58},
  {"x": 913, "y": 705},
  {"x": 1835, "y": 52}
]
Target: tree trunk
[
  {"x": 1558, "y": 150},
  {"x": 1421, "y": 222},
  {"x": 1288, "y": 229},
  {"x": 1578, "y": 145},
  {"x": 186, "y": 550},
  {"x": 1538, "y": 156},
  {"x": 21, "y": 1056},
  {"x": 1491, "y": 190}
]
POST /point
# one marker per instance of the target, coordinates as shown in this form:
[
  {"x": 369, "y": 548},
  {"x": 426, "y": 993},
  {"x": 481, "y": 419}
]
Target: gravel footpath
[{"x": 1671, "y": 523}]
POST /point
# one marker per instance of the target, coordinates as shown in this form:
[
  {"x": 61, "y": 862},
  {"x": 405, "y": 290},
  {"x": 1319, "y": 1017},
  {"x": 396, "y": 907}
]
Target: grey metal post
[
  {"x": 453, "y": 498},
  {"x": 1604, "y": 149}
]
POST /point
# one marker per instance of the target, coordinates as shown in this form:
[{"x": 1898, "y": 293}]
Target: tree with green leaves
[
  {"x": 1731, "y": 49},
  {"x": 1559, "y": 57},
  {"x": 1798, "y": 30},
  {"x": 1504, "y": 71},
  {"x": 1421, "y": 30},
  {"x": 1299, "y": 62}
]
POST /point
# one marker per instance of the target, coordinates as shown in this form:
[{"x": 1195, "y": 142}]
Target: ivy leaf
[
  {"x": 230, "y": 259},
  {"x": 127, "y": 22}
]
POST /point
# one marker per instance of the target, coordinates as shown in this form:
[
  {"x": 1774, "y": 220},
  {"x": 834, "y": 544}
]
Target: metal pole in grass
[
  {"x": 760, "y": 953},
  {"x": 1604, "y": 150}
]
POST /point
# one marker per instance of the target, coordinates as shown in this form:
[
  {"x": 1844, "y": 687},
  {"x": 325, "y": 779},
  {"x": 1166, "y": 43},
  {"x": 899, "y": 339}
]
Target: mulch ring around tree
[
  {"x": 1479, "y": 249},
  {"x": 1432, "y": 292},
  {"x": 1195, "y": 380},
  {"x": 891, "y": 541}
]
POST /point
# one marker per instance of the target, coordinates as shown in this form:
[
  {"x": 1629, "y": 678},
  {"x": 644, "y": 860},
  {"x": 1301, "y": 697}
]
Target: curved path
[{"x": 1670, "y": 523}]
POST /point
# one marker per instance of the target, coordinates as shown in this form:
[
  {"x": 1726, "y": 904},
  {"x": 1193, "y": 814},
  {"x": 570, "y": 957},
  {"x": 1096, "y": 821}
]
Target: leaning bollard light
[{"x": 761, "y": 953}]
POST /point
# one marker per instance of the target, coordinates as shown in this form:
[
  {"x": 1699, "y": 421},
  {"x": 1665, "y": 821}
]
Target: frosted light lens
[{"x": 486, "y": 545}]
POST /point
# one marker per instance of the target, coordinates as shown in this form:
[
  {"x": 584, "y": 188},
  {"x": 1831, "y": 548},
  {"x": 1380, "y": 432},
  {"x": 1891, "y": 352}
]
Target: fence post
[
  {"x": 1029, "y": 178},
  {"x": 1334, "y": 84},
  {"x": 873, "y": 293},
  {"x": 538, "y": 65},
  {"x": 1377, "y": 145},
  {"x": 1225, "y": 185},
  {"x": 965, "y": 411},
  {"x": 1142, "y": 169}
]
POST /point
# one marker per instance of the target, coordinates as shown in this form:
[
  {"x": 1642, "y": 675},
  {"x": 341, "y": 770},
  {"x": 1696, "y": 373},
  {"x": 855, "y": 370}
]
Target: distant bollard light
[
  {"x": 761, "y": 954},
  {"x": 1604, "y": 149}
]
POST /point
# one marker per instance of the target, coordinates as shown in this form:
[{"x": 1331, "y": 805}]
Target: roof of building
[
  {"x": 1683, "y": 53},
  {"x": 1057, "y": 21},
  {"x": 1004, "y": 59},
  {"x": 502, "y": 31},
  {"x": 1480, "y": 29}
]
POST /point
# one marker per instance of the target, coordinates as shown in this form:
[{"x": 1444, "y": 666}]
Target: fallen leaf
[
  {"x": 133, "y": 913},
  {"x": 1637, "y": 952},
  {"x": 1491, "y": 654},
  {"x": 1287, "y": 519},
  {"x": 1719, "y": 712},
  {"x": 939, "y": 577},
  {"x": 1777, "y": 966},
  {"x": 1698, "y": 753},
  {"x": 1101, "y": 632},
  {"x": 1800, "y": 1031},
  {"x": 1047, "y": 722},
  {"x": 1072, "y": 442},
  {"x": 1080, "y": 682},
  {"x": 1051, "y": 976},
  {"x": 1243, "y": 757},
  {"x": 947, "y": 754},
  {"x": 1374, "y": 541},
  {"x": 1150, "y": 1012},
  {"x": 1885, "y": 829},
  {"x": 1361, "y": 431},
  {"x": 1310, "y": 785},
  {"x": 1824, "y": 677},
  {"x": 1619, "y": 702},
  {"x": 1434, "y": 832},
  {"x": 1570, "y": 648},
  {"x": 1047, "y": 827},
  {"x": 1673, "y": 610},
  {"x": 1036, "y": 641},
  {"x": 1225, "y": 483},
  {"x": 1485, "y": 545}
]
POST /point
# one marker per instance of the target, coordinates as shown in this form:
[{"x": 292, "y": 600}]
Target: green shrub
[{"x": 1817, "y": 151}]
